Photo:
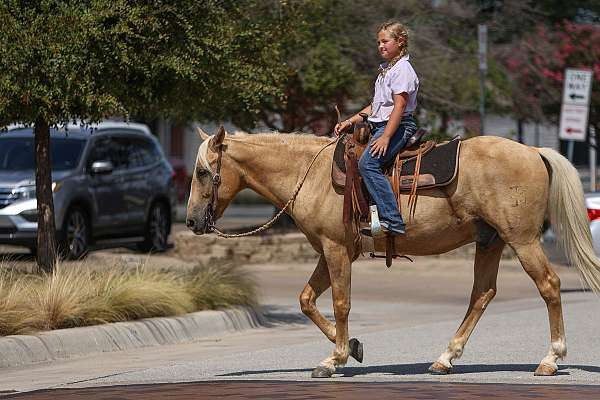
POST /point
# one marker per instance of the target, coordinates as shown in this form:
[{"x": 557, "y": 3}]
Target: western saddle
[{"x": 345, "y": 175}]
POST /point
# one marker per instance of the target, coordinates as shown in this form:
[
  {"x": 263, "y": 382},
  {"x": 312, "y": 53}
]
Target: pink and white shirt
[{"x": 401, "y": 78}]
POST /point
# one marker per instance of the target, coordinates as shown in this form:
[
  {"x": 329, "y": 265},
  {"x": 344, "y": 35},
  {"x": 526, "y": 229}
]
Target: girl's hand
[
  {"x": 379, "y": 146},
  {"x": 341, "y": 127}
]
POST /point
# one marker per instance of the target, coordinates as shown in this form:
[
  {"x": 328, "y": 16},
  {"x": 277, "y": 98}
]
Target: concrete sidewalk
[{"x": 22, "y": 350}]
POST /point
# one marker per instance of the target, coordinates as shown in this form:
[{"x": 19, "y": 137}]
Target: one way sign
[
  {"x": 578, "y": 83},
  {"x": 575, "y": 105},
  {"x": 575, "y": 96}
]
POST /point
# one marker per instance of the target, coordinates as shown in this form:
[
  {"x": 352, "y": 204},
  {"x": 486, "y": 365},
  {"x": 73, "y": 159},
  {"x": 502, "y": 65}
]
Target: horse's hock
[{"x": 281, "y": 248}]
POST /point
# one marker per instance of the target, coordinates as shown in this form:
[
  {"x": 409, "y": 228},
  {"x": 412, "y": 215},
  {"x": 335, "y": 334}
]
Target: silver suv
[{"x": 111, "y": 185}]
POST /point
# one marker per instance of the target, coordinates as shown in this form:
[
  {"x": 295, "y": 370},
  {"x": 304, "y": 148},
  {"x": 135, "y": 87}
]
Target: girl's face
[{"x": 388, "y": 46}]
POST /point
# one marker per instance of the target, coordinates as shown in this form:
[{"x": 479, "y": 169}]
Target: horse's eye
[{"x": 201, "y": 173}]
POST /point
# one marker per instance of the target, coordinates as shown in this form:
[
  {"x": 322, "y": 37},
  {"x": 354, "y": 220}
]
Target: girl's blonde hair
[{"x": 398, "y": 32}]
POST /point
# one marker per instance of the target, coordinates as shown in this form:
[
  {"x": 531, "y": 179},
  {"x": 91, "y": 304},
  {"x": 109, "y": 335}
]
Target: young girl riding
[{"x": 392, "y": 121}]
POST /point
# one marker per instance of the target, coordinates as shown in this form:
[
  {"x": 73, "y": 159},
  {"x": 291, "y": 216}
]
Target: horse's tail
[{"x": 568, "y": 217}]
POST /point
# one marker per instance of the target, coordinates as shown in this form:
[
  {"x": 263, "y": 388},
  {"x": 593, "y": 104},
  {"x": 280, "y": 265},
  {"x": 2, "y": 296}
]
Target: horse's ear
[
  {"x": 203, "y": 135},
  {"x": 218, "y": 138}
]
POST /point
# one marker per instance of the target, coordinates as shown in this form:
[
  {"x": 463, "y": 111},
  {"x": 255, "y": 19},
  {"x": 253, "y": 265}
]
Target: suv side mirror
[{"x": 101, "y": 167}]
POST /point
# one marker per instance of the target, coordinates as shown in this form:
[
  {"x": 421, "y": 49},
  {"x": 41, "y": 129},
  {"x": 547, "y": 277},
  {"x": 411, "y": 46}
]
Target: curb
[{"x": 20, "y": 350}]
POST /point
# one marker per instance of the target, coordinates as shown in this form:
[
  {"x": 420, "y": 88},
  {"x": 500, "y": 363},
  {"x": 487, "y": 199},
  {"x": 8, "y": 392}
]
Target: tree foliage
[
  {"x": 89, "y": 59},
  {"x": 331, "y": 53},
  {"x": 537, "y": 64},
  {"x": 64, "y": 60}
]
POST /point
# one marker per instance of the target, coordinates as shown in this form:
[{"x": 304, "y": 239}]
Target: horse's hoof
[
  {"x": 437, "y": 368},
  {"x": 321, "y": 372},
  {"x": 545, "y": 370},
  {"x": 356, "y": 350}
]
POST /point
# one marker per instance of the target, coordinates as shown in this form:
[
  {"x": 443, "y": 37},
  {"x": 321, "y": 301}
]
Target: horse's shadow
[
  {"x": 276, "y": 315},
  {"x": 422, "y": 369}
]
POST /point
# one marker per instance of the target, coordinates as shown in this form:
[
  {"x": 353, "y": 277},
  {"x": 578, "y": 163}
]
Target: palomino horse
[{"x": 501, "y": 195}]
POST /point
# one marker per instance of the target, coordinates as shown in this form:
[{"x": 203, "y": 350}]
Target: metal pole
[
  {"x": 482, "y": 38},
  {"x": 570, "y": 149},
  {"x": 481, "y": 102},
  {"x": 592, "y": 136}
]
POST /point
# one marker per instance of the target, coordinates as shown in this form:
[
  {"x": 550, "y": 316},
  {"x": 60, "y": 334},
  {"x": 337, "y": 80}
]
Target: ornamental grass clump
[
  {"x": 12, "y": 313},
  {"x": 72, "y": 297},
  {"x": 144, "y": 293},
  {"x": 219, "y": 287}
]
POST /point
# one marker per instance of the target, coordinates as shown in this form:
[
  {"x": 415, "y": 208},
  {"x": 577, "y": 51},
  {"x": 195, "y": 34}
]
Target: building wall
[{"x": 539, "y": 135}]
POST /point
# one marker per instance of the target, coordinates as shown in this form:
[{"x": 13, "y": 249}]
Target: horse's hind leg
[
  {"x": 487, "y": 260},
  {"x": 318, "y": 283},
  {"x": 536, "y": 265}
]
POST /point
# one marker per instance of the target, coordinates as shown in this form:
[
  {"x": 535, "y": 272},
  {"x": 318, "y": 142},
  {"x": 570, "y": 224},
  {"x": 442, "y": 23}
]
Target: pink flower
[
  {"x": 547, "y": 73},
  {"x": 512, "y": 63},
  {"x": 596, "y": 69}
]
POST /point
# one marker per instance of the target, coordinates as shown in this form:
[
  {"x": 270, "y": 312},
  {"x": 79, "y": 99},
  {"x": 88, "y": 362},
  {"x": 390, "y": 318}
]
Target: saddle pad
[{"x": 438, "y": 167}]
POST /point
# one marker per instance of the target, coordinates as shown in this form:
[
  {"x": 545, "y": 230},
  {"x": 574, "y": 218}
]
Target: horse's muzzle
[
  {"x": 196, "y": 226},
  {"x": 191, "y": 224}
]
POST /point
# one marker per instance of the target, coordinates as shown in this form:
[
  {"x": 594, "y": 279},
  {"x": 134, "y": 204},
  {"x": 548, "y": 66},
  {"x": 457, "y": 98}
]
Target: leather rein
[{"x": 209, "y": 213}]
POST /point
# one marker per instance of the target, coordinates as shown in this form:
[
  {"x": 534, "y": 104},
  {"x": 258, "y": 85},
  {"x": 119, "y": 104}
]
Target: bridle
[{"x": 209, "y": 212}]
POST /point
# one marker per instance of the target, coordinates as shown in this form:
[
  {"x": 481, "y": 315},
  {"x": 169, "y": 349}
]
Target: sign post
[
  {"x": 574, "y": 111},
  {"x": 575, "y": 105},
  {"x": 482, "y": 38},
  {"x": 592, "y": 159}
]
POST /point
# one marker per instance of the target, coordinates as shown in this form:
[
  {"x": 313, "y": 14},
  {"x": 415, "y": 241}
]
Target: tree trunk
[
  {"x": 444, "y": 122},
  {"x": 520, "y": 130},
  {"x": 46, "y": 232}
]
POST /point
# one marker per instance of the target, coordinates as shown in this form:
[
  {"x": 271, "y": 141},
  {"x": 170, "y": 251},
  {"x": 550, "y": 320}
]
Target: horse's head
[{"x": 213, "y": 183}]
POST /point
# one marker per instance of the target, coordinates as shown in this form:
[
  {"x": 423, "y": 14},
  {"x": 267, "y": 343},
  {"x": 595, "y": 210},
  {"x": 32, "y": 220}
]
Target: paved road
[
  {"x": 305, "y": 390},
  {"x": 405, "y": 317}
]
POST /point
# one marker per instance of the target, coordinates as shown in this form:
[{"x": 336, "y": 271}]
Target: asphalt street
[
  {"x": 321, "y": 390},
  {"x": 404, "y": 316}
]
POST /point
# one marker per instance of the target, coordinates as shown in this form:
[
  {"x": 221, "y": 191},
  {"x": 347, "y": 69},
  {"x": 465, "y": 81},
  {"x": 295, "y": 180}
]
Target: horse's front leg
[
  {"x": 338, "y": 263},
  {"x": 318, "y": 283}
]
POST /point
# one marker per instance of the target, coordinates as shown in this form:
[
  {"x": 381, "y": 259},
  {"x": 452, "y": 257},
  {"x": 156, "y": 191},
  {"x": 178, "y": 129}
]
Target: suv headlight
[
  {"x": 24, "y": 192},
  {"x": 28, "y": 192}
]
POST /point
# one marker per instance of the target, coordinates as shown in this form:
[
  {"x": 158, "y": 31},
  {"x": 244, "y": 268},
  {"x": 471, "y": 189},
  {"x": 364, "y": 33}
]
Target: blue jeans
[{"x": 371, "y": 170}]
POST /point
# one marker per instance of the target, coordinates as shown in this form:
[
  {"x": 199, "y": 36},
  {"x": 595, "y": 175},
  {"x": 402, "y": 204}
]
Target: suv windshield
[{"x": 18, "y": 154}]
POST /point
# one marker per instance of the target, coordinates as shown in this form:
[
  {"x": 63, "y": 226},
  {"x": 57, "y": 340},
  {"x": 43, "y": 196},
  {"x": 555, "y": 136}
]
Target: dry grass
[
  {"x": 74, "y": 297},
  {"x": 213, "y": 287}
]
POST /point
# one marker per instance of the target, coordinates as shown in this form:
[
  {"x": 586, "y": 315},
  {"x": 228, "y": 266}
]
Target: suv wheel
[
  {"x": 75, "y": 235},
  {"x": 157, "y": 229}
]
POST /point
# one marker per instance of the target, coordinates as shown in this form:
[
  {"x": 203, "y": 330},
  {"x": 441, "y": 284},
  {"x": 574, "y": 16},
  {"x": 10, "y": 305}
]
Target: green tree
[
  {"x": 320, "y": 72},
  {"x": 537, "y": 64},
  {"x": 65, "y": 60},
  {"x": 331, "y": 54}
]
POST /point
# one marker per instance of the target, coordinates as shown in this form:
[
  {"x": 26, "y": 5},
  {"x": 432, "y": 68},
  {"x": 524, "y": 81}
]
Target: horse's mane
[{"x": 298, "y": 138}]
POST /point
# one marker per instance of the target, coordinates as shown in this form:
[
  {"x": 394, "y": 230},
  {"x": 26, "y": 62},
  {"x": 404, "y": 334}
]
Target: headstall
[{"x": 209, "y": 213}]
